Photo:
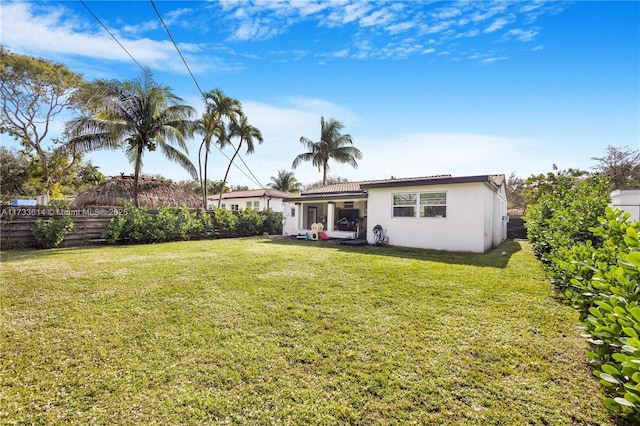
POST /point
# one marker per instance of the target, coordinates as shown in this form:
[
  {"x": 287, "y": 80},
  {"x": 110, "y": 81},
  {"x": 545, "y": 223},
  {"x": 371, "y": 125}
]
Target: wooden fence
[{"x": 17, "y": 223}]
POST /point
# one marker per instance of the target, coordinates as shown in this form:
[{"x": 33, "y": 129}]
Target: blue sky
[{"x": 424, "y": 88}]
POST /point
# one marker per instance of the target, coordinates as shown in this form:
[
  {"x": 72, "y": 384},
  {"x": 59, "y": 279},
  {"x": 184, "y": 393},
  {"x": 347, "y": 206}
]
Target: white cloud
[
  {"x": 25, "y": 25},
  {"x": 496, "y": 25},
  {"x": 522, "y": 35},
  {"x": 493, "y": 59}
]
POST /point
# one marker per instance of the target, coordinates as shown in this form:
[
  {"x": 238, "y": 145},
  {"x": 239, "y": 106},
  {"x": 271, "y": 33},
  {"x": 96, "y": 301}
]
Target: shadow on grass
[{"x": 492, "y": 259}]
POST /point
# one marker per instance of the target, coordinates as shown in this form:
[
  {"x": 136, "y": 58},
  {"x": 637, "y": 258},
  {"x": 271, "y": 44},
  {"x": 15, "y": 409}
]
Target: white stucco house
[
  {"x": 467, "y": 213},
  {"x": 257, "y": 199},
  {"x": 627, "y": 200}
]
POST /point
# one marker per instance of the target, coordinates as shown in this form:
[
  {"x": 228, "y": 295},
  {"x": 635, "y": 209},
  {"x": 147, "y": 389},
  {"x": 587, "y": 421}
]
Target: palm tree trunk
[
  {"x": 137, "y": 175},
  {"x": 224, "y": 181},
  {"x": 203, "y": 189},
  {"x": 206, "y": 162}
]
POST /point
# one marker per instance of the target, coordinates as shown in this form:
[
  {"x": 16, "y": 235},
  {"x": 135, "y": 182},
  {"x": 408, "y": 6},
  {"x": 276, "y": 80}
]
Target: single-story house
[
  {"x": 627, "y": 200},
  {"x": 467, "y": 213},
  {"x": 257, "y": 199}
]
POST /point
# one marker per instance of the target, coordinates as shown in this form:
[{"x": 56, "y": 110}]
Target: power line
[
  {"x": 175, "y": 45},
  {"x": 112, "y": 35},
  {"x": 252, "y": 177}
]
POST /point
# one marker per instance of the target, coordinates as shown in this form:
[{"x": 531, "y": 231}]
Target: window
[
  {"x": 433, "y": 204},
  {"x": 253, "y": 205},
  {"x": 235, "y": 207},
  {"x": 348, "y": 204},
  {"x": 426, "y": 204},
  {"x": 223, "y": 206},
  {"x": 293, "y": 212},
  {"x": 404, "y": 205}
]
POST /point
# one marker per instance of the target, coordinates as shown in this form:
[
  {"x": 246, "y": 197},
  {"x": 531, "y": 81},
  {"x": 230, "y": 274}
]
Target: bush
[
  {"x": 562, "y": 219},
  {"x": 599, "y": 277},
  {"x": 271, "y": 222},
  {"x": 51, "y": 232},
  {"x": 224, "y": 222},
  {"x": 248, "y": 223},
  {"x": 139, "y": 225}
]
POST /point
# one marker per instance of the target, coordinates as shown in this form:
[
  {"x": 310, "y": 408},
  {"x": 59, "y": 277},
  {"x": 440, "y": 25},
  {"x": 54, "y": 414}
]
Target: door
[{"x": 312, "y": 216}]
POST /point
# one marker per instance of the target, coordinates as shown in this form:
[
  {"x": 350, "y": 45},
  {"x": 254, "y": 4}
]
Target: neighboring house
[
  {"x": 627, "y": 200},
  {"x": 466, "y": 213},
  {"x": 257, "y": 199}
]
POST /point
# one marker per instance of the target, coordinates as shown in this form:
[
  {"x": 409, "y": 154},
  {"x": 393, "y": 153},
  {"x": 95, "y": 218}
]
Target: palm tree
[
  {"x": 332, "y": 145},
  {"x": 138, "y": 115},
  {"x": 284, "y": 181},
  {"x": 247, "y": 133},
  {"x": 213, "y": 123}
]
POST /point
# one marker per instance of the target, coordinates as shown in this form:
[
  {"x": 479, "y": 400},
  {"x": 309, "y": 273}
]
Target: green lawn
[{"x": 269, "y": 331}]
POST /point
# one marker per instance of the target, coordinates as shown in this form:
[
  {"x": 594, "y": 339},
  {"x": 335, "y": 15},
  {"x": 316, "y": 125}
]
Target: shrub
[
  {"x": 248, "y": 223},
  {"x": 601, "y": 282},
  {"x": 224, "y": 223},
  {"x": 139, "y": 225},
  {"x": 271, "y": 222},
  {"x": 51, "y": 232},
  {"x": 562, "y": 219}
]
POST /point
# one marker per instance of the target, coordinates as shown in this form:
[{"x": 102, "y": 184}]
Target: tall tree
[
  {"x": 139, "y": 115},
  {"x": 621, "y": 166},
  {"x": 284, "y": 181},
  {"x": 34, "y": 92},
  {"x": 332, "y": 145},
  {"x": 245, "y": 132},
  {"x": 220, "y": 111}
]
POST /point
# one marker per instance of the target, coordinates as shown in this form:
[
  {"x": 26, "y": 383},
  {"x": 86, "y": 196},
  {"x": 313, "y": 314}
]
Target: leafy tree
[
  {"x": 139, "y": 115},
  {"x": 191, "y": 185},
  {"x": 21, "y": 175},
  {"x": 621, "y": 166},
  {"x": 14, "y": 174},
  {"x": 246, "y": 133},
  {"x": 332, "y": 145},
  {"x": 220, "y": 111},
  {"x": 536, "y": 186},
  {"x": 284, "y": 181},
  {"x": 217, "y": 186},
  {"x": 239, "y": 188},
  {"x": 34, "y": 92},
  {"x": 515, "y": 192}
]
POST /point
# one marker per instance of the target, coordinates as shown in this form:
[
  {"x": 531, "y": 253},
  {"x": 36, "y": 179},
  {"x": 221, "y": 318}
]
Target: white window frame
[{"x": 423, "y": 204}]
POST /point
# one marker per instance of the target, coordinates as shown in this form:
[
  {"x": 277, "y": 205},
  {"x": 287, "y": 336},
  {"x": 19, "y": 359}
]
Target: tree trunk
[
  {"x": 137, "y": 175},
  {"x": 227, "y": 173},
  {"x": 203, "y": 189}
]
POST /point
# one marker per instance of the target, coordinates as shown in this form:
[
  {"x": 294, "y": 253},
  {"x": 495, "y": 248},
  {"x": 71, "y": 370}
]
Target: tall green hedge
[
  {"x": 592, "y": 256},
  {"x": 140, "y": 225}
]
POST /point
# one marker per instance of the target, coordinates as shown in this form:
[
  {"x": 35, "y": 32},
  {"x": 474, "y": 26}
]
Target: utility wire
[
  {"x": 252, "y": 177},
  {"x": 176, "y": 46},
  {"x": 111, "y": 34}
]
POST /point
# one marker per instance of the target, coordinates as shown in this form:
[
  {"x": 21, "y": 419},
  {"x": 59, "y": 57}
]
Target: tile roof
[
  {"x": 253, "y": 193},
  {"x": 359, "y": 188}
]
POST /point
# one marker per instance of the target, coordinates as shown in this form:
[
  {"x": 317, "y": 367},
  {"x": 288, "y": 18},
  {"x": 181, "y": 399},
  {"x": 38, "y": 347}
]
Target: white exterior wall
[
  {"x": 275, "y": 204},
  {"x": 473, "y": 211},
  {"x": 290, "y": 222},
  {"x": 627, "y": 200}
]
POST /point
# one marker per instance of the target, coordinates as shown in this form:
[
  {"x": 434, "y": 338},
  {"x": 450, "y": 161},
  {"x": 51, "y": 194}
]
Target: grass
[{"x": 261, "y": 331}]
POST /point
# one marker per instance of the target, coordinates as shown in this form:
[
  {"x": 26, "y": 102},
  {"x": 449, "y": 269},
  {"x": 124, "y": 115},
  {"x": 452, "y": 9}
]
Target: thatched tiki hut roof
[{"x": 151, "y": 193}]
